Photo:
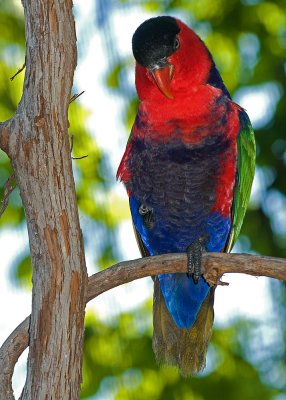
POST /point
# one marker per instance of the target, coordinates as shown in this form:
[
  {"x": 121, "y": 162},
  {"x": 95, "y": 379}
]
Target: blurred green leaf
[
  {"x": 24, "y": 272},
  {"x": 113, "y": 78}
]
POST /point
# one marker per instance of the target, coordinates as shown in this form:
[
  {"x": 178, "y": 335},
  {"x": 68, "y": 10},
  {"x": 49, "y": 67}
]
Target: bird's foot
[
  {"x": 194, "y": 254},
  {"x": 147, "y": 215}
]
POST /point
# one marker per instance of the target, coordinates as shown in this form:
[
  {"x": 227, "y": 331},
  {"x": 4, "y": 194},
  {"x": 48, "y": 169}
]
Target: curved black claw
[
  {"x": 194, "y": 254},
  {"x": 147, "y": 215}
]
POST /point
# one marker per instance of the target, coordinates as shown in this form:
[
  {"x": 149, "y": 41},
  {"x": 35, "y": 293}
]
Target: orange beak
[{"x": 162, "y": 78}]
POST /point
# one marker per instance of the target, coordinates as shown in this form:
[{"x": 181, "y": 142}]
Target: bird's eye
[{"x": 176, "y": 44}]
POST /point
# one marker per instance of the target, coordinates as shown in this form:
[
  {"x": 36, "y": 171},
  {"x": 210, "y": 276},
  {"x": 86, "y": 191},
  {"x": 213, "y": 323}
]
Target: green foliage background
[{"x": 248, "y": 41}]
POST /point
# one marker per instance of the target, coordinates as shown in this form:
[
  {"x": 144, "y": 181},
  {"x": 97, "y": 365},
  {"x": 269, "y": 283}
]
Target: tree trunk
[{"x": 36, "y": 140}]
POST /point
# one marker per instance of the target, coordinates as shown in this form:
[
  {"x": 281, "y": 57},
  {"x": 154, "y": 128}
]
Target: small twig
[
  {"x": 18, "y": 72},
  {"x": 8, "y": 189},
  {"x": 75, "y": 96},
  {"x": 79, "y": 158},
  {"x": 76, "y": 158}
]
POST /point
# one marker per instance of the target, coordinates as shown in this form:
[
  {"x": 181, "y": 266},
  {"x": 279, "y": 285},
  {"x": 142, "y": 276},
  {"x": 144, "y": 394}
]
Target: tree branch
[
  {"x": 10, "y": 352},
  {"x": 214, "y": 265}
]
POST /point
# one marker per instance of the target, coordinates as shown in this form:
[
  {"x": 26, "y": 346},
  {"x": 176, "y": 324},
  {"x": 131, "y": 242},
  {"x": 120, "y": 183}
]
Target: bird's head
[{"x": 170, "y": 58}]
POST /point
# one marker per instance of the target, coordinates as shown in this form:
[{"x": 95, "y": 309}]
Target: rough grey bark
[{"x": 36, "y": 140}]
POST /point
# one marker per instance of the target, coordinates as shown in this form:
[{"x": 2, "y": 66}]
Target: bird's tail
[{"x": 185, "y": 348}]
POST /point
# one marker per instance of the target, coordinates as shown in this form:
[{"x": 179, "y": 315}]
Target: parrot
[{"x": 188, "y": 169}]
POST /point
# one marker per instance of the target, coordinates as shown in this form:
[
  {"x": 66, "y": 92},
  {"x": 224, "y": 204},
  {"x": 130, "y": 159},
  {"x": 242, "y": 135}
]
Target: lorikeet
[{"x": 188, "y": 169}]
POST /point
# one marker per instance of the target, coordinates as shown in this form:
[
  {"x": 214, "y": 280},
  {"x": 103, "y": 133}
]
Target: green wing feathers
[{"x": 245, "y": 172}]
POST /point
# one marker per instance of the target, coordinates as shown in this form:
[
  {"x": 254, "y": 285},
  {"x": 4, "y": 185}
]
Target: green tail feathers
[{"x": 184, "y": 348}]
